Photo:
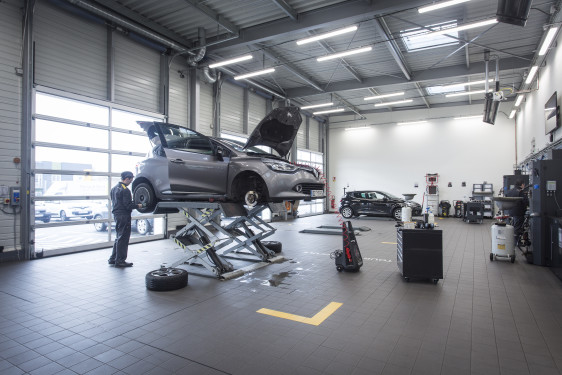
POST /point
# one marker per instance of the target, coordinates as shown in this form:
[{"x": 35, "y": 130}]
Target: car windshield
[
  {"x": 388, "y": 195},
  {"x": 239, "y": 146}
]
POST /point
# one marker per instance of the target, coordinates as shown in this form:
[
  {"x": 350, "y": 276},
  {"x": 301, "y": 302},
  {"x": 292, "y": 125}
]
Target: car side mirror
[{"x": 219, "y": 152}]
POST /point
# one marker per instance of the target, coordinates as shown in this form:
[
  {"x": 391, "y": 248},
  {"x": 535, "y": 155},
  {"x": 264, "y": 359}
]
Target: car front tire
[
  {"x": 63, "y": 216},
  {"x": 100, "y": 227},
  {"x": 144, "y": 193},
  {"x": 347, "y": 212},
  {"x": 397, "y": 214}
]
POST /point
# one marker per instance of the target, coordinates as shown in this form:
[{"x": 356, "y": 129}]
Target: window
[
  {"x": 418, "y": 39},
  {"x": 184, "y": 139}
]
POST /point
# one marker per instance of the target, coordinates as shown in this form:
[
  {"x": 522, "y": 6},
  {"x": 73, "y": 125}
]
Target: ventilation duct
[
  {"x": 210, "y": 75},
  {"x": 514, "y": 12},
  {"x": 193, "y": 60}
]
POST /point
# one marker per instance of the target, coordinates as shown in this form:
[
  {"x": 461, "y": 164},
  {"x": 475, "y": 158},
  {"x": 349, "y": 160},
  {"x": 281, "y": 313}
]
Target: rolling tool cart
[
  {"x": 474, "y": 212},
  {"x": 419, "y": 254},
  {"x": 348, "y": 259},
  {"x": 459, "y": 206}
]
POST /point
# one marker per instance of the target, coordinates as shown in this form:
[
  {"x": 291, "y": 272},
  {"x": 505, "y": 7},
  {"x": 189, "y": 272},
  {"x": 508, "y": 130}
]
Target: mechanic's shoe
[
  {"x": 123, "y": 264},
  {"x": 110, "y": 262}
]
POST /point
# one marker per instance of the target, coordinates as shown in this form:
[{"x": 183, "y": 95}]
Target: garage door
[
  {"x": 232, "y": 108},
  {"x": 205, "y": 108}
]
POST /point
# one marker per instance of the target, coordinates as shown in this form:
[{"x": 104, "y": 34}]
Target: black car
[{"x": 375, "y": 203}]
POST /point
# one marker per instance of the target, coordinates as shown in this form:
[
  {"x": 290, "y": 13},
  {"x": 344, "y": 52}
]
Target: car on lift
[
  {"x": 141, "y": 224},
  {"x": 375, "y": 203},
  {"x": 185, "y": 165}
]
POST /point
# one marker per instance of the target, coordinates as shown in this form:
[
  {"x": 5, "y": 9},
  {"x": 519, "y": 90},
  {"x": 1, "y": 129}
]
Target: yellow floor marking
[
  {"x": 390, "y": 243},
  {"x": 316, "y": 320}
]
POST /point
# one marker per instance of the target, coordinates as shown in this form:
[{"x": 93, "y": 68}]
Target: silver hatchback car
[{"x": 185, "y": 165}]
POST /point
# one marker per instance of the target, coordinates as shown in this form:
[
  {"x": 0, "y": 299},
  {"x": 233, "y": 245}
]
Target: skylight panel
[
  {"x": 419, "y": 38},
  {"x": 436, "y": 90}
]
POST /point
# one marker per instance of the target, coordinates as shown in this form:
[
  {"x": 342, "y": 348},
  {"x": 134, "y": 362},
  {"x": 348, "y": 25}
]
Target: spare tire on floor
[
  {"x": 166, "y": 279},
  {"x": 274, "y": 246}
]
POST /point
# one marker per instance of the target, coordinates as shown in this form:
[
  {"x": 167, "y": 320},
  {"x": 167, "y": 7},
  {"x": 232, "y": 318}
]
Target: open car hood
[{"x": 277, "y": 130}]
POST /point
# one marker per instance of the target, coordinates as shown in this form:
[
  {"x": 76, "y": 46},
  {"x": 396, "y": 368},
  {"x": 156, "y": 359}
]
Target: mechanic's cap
[{"x": 127, "y": 174}]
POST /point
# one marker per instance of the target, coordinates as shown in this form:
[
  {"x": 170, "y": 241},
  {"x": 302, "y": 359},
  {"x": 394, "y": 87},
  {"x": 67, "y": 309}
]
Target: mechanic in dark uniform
[
  {"x": 518, "y": 212},
  {"x": 123, "y": 205}
]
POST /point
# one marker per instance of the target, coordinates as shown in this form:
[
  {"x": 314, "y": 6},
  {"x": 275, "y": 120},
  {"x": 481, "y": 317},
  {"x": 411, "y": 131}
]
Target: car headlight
[{"x": 279, "y": 166}]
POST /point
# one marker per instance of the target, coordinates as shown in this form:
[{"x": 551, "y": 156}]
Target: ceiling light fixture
[
  {"x": 519, "y": 100},
  {"x": 359, "y": 128},
  {"x": 547, "y": 40},
  {"x": 231, "y": 61},
  {"x": 512, "y": 114},
  {"x": 464, "y": 27},
  {"x": 329, "y": 111},
  {"x": 253, "y": 74},
  {"x": 384, "y": 96},
  {"x": 440, "y": 5},
  {"x": 346, "y": 53},
  {"x": 467, "y": 117},
  {"x": 327, "y": 35},
  {"x": 468, "y": 83},
  {"x": 411, "y": 122},
  {"x": 466, "y": 93},
  {"x": 531, "y": 75},
  {"x": 393, "y": 103},
  {"x": 317, "y": 105}
]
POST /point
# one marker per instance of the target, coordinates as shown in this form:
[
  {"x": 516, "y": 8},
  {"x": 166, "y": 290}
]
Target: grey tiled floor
[{"x": 75, "y": 314}]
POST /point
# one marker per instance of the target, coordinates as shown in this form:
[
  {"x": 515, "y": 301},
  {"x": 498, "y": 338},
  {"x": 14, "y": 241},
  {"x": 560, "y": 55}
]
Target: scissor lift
[{"x": 210, "y": 248}]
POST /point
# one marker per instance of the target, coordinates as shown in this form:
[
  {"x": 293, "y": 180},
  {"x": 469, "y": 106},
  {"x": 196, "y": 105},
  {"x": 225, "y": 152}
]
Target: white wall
[
  {"x": 530, "y": 120},
  {"x": 393, "y": 158}
]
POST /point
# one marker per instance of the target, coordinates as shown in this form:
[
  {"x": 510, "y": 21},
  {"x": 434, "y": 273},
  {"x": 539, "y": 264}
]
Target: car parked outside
[
  {"x": 375, "y": 203},
  {"x": 41, "y": 213},
  {"x": 185, "y": 165},
  {"x": 66, "y": 210},
  {"x": 142, "y": 225}
]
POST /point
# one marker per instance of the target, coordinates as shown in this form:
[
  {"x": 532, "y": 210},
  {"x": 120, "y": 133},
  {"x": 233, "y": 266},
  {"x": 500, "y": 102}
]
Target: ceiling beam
[
  {"x": 216, "y": 17},
  {"x": 441, "y": 73},
  {"x": 349, "y": 105},
  {"x": 342, "y": 13},
  {"x": 286, "y": 8},
  {"x": 290, "y": 67},
  {"x": 384, "y": 32},
  {"x": 417, "y": 84}
]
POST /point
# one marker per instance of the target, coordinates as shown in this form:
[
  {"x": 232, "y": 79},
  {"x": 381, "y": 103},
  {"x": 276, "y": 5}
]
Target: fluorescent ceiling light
[
  {"x": 231, "y": 61},
  {"x": 512, "y": 114},
  {"x": 411, "y": 122},
  {"x": 531, "y": 75},
  {"x": 317, "y": 105},
  {"x": 468, "y": 83},
  {"x": 465, "y": 27},
  {"x": 440, "y": 5},
  {"x": 359, "y": 128},
  {"x": 329, "y": 111},
  {"x": 327, "y": 35},
  {"x": 253, "y": 74},
  {"x": 346, "y": 53},
  {"x": 547, "y": 40},
  {"x": 393, "y": 103},
  {"x": 467, "y": 93},
  {"x": 466, "y": 117},
  {"x": 519, "y": 100},
  {"x": 384, "y": 96}
]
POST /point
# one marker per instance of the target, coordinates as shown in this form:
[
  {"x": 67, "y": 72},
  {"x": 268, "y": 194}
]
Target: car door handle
[{"x": 179, "y": 161}]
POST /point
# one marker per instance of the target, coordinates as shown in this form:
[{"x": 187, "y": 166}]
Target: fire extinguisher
[{"x": 333, "y": 200}]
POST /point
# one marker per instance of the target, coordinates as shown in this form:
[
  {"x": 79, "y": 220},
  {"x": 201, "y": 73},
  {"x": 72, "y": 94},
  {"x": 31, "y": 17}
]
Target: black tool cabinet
[{"x": 420, "y": 254}]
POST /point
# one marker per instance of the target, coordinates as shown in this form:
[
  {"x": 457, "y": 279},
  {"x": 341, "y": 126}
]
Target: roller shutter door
[
  {"x": 256, "y": 111},
  {"x": 301, "y": 135},
  {"x": 178, "y": 94},
  {"x": 10, "y": 109},
  {"x": 205, "y": 109},
  {"x": 232, "y": 108},
  {"x": 314, "y": 143},
  {"x": 70, "y": 52},
  {"x": 137, "y": 74}
]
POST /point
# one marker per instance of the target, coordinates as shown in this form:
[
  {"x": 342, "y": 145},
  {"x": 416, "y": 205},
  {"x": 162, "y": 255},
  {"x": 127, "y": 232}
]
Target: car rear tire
[
  {"x": 63, "y": 216},
  {"x": 166, "y": 279},
  {"x": 143, "y": 226},
  {"x": 100, "y": 227},
  {"x": 144, "y": 194},
  {"x": 397, "y": 214},
  {"x": 46, "y": 219},
  {"x": 347, "y": 212}
]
